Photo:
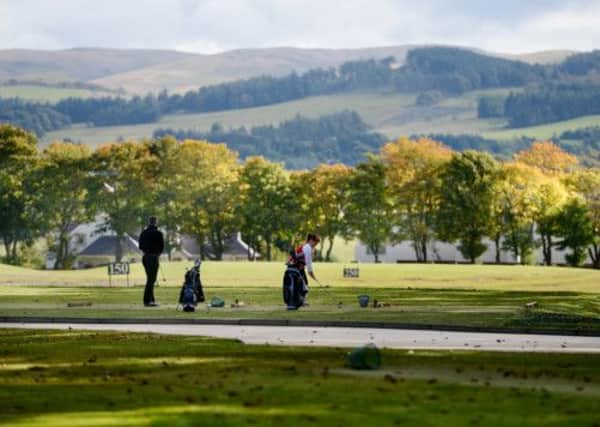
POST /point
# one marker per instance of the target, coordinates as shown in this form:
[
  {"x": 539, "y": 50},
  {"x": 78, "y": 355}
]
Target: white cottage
[{"x": 444, "y": 252}]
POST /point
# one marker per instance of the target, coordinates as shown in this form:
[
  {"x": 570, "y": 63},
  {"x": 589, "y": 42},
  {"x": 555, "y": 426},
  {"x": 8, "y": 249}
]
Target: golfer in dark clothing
[{"x": 152, "y": 244}]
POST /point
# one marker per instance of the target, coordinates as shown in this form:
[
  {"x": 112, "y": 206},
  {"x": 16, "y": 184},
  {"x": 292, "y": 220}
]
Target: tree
[
  {"x": 586, "y": 183},
  {"x": 321, "y": 203},
  {"x": 169, "y": 185},
  {"x": 550, "y": 195},
  {"x": 266, "y": 207},
  {"x": 549, "y": 199},
  {"x": 369, "y": 208},
  {"x": 304, "y": 215},
  {"x": 211, "y": 194},
  {"x": 19, "y": 220},
  {"x": 62, "y": 181},
  {"x": 413, "y": 174},
  {"x": 122, "y": 188},
  {"x": 467, "y": 201},
  {"x": 548, "y": 157},
  {"x": 576, "y": 228},
  {"x": 518, "y": 188}
]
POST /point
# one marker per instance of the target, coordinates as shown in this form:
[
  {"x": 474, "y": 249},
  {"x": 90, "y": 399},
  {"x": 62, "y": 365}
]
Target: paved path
[{"x": 351, "y": 337}]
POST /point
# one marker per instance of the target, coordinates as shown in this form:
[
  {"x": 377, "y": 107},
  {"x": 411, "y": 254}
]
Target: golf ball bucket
[{"x": 363, "y": 301}]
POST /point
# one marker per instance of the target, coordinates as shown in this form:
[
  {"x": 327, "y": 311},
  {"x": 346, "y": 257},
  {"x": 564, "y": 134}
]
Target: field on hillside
[
  {"x": 544, "y": 131},
  {"x": 393, "y": 114},
  {"x": 46, "y": 93},
  {"x": 57, "y": 378},
  {"x": 374, "y": 107},
  {"x": 457, "y": 295}
]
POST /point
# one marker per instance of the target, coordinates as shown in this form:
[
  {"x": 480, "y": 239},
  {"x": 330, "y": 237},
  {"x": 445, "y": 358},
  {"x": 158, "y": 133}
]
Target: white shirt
[{"x": 307, "y": 251}]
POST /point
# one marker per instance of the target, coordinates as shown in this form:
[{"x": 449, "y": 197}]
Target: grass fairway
[
  {"x": 269, "y": 274},
  {"x": 58, "y": 378},
  {"x": 456, "y": 295}
]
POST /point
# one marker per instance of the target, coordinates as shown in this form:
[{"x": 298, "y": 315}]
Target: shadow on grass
[{"x": 99, "y": 378}]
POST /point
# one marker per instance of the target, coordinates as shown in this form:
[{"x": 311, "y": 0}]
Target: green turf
[
  {"x": 268, "y": 274},
  {"x": 57, "y": 378},
  {"x": 567, "y": 311},
  {"x": 456, "y": 295}
]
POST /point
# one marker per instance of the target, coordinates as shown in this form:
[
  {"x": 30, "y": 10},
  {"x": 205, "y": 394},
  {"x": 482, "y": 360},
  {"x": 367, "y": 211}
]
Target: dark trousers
[{"x": 151, "y": 266}]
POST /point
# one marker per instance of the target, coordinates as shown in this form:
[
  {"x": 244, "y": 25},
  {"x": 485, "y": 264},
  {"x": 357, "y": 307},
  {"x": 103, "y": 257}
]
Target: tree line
[
  {"x": 567, "y": 90},
  {"x": 344, "y": 137},
  {"x": 583, "y": 143},
  {"x": 413, "y": 190},
  {"x": 551, "y": 103},
  {"x": 36, "y": 117},
  {"x": 299, "y": 143}
]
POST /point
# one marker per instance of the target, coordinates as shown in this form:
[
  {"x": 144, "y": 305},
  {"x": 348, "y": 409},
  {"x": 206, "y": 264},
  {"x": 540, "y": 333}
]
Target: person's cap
[{"x": 198, "y": 263}]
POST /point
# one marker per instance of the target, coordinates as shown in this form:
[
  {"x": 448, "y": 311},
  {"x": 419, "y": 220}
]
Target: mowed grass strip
[
  {"x": 57, "y": 378},
  {"x": 269, "y": 274},
  {"x": 565, "y": 311}
]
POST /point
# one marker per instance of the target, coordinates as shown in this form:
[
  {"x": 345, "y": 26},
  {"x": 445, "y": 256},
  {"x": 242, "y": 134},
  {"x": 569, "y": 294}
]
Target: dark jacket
[{"x": 152, "y": 241}]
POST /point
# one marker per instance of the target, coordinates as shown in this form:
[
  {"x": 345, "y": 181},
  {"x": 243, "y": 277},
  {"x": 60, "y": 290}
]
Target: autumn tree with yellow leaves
[{"x": 413, "y": 176}]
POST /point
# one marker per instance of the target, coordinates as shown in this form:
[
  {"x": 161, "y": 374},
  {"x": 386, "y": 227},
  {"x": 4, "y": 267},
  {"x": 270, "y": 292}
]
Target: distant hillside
[
  {"x": 142, "y": 71},
  {"x": 82, "y": 64},
  {"x": 194, "y": 71},
  {"x": 432, "y": 73},
  {"x": 542, "y": 57},
  {"x": 202, "y": 70}
]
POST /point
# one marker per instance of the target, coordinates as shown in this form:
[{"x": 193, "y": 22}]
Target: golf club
[
  {"x": 326, "y": 291},
  {"x": 162, "y": 274}
]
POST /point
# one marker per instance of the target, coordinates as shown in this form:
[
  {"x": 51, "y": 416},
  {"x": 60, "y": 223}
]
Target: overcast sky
[{"x": 209, "y": 26}]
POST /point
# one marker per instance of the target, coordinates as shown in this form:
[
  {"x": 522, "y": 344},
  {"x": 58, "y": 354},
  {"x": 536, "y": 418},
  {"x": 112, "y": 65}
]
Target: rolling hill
[
  {"x": 195, "y": 71},
  {"x": 141, "y": 71},
  {"x": 389, "y": 112},
  {"x": 81, "y": 64}
]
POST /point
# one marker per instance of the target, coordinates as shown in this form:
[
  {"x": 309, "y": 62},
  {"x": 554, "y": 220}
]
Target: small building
[
  {"x": 102, "y": 251},
  {"x": 80, "y": 237},
  {"x": 235, "y": 249}
]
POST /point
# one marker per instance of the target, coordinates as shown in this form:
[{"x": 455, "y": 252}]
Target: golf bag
[
  {"x": 295, "y": 284},
  {"x": 191, "y": 291},
  {"x": 294, "y": 288}
]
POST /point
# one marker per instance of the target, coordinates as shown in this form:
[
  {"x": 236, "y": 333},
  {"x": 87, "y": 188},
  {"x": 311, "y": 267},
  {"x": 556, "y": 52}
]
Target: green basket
[
  {"x": 365, "y": 357},
  {"x": 217, "y": 302}
]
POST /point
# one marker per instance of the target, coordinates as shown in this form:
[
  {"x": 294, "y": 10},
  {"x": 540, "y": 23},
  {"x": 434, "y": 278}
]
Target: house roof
[
  {"x": 106, "y": 245},
  {"x": 234, "y": 245}
]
